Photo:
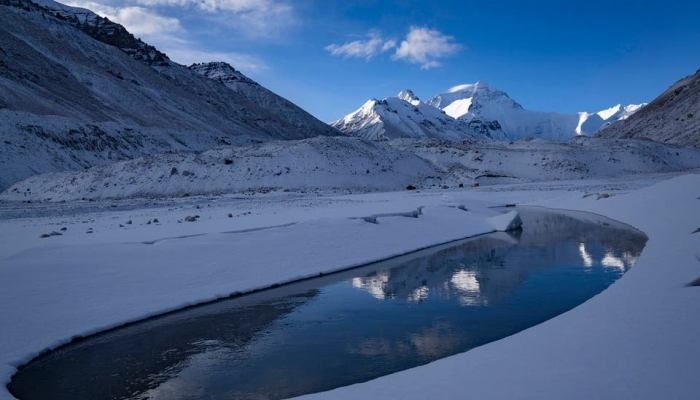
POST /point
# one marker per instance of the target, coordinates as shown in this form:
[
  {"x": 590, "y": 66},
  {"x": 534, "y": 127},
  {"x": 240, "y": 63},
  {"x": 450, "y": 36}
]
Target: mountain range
[{"x": 476, "y": 110}]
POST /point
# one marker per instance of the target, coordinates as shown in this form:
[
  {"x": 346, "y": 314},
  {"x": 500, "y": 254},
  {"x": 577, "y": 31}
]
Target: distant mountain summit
[
  {"x": 405, "y": 116},
  {"x": 78, "y": 90},
  {"x": 673, "y": 117},
  {"x": 618, "y": 112},
  {"x": 460, "y": 100},
  {"x": 477, "y": 110},
  {"x": 407, "y": 95}
]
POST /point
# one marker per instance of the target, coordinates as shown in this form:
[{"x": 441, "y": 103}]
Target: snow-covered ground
[
  {"x": 115, "y": 263},
  {"x": 353, "y": 164}
]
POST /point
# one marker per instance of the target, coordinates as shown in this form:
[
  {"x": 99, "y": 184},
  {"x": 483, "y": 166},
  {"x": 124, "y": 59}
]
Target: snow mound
[{"x": 506, "y": 222}]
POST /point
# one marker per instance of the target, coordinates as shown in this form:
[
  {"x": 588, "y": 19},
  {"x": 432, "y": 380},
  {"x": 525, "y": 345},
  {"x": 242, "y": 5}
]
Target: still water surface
[{"x": 348, "y": 327}]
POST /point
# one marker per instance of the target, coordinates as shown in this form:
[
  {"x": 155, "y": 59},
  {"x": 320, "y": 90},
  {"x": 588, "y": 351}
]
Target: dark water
[{"x": 348, "y": 327}]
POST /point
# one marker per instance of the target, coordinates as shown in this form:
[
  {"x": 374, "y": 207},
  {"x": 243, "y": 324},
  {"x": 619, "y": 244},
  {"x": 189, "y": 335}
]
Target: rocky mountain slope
[
  {"x": 272, "y": 107},
  {"x": 405, "y": 116},
  {"x": 352, "y": 164},
  {"x": 475, "y": 110},
  {"x": 78, "y": 90},
  {"x": 673, "y": 117}
]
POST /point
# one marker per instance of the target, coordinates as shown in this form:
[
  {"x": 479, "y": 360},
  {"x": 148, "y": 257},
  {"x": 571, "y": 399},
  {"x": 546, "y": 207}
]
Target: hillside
[
  {"x": 673, "y": 117},
  {"x": 78, "y": 90}
]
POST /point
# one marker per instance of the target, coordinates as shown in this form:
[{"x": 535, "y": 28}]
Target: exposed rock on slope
[
  {"x": 273, "y": 107},
  {"x": 673, "y": 117},
  {"x": 70, "y": 99}
]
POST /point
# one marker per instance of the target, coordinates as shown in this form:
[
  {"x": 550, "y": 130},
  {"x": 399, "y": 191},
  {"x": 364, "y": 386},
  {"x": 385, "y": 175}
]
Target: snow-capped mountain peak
[
  {"x": 460, "y": 100},
  {"x": 619, "y": 112},
  {"x": 607, "y": 113},
  {"x": 407, "y": 95},
  {"x": 406, "y": 116}
]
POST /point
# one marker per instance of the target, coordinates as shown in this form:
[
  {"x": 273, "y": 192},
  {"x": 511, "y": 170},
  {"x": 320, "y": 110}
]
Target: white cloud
[
  {"x": 251, "y": 18},
  {"x": 421, "y": 46},
  {"x": 137, "y": 20},
  {"x": 168, "y": 35},
  {"x": 363, "y": 48},
  {"x": 141, "y": 21},
  {"x": 424, "y": 46}
]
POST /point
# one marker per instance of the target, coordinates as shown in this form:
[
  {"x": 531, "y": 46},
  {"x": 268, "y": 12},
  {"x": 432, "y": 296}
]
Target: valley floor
[{"x": 121, "y": 261}]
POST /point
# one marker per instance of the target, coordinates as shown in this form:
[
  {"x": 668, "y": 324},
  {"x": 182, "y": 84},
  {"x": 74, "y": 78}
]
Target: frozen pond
[{"x": 352, "y": 326}]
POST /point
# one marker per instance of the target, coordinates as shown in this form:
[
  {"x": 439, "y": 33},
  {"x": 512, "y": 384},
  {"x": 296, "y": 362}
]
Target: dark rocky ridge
[{"x": 673, "y": 117}]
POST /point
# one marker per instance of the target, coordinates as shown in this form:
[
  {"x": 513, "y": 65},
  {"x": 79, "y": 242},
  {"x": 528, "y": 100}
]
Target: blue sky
[{"x": 330, "y": 56}]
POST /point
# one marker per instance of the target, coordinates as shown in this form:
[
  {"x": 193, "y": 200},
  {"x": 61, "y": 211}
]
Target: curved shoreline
[{"x": 634, "y": 340}]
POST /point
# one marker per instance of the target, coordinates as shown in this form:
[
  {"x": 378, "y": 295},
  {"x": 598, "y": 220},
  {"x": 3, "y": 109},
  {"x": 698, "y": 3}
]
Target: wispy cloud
[
  {"x": 422, "y": 46},
  {"x": 137, "y": 20},
  {"x": 250, "y": 18},
  {"x": 425, "y": 46},
  {"x": 168, "y": 34},
  {"x": 374, "y": 45}
]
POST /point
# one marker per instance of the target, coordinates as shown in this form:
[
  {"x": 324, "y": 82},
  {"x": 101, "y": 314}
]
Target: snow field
[{"x": 635, "y": 340}]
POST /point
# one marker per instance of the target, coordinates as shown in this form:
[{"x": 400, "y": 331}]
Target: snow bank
[{"x": 506, "y": 222}]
